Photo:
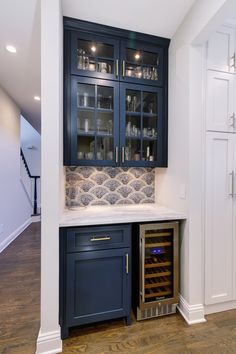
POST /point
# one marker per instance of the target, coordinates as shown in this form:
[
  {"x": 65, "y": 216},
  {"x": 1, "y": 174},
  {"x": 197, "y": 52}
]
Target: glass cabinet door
[
  {"x": 141, "y": 64},
  {"x": 141, "y": 136},
  {"x": 94, "y": 122},
  {"x": 94, "y": 56}
]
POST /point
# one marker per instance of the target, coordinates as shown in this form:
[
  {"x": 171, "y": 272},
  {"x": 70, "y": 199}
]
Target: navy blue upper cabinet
[
  {"x": 115, "y": 96},
  {"x": 141, "y": 63}
]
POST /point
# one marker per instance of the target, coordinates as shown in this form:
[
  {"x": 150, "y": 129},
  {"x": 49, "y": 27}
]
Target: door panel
[
  {"x": 97, "y": 286},
  {"x": 220, "y": 102},
  {"x": 220, "y": 50},
  {"x": 94, "y": 120},
  {"x": 142, "y": 133},
  {"x": 141, "y": 63},
  {"x": 94, "y": 56},
  {"x": 219, "y": 208}
]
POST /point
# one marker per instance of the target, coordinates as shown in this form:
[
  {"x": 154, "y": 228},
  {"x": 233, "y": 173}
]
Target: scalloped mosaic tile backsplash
[{"x": 109, "y": 185}]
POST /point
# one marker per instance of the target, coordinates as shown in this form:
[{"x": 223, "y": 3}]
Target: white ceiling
[
  {"x": 157, "y": 17},
  {"x": 20, "y": 72},
  {"x": 20, "y": 26}
]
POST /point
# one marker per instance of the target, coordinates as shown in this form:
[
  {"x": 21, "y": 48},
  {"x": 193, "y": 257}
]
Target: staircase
[{"x": 31, "y": 186}]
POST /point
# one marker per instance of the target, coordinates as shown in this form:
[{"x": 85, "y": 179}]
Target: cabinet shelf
[
  {"x": 151, "y": 273},
  {"x": 158, "y": 234},
  {"x": 150, "y": 263},
  {"x": 153, "y": 283},
  {"x": 158, "y": 244},
  {"x": 149, "y": 293}
]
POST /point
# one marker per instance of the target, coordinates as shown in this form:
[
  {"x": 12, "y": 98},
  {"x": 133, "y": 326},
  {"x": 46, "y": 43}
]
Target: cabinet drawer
[{"x": 98, "y": 237}]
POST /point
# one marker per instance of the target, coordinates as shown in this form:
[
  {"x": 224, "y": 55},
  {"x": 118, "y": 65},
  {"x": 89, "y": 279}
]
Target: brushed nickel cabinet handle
[
  {"x": 102, "y": 238},
  {"x": 123, "y": 69},
  {"x": 231, "y": 120},
  {"x": 234, "y": 189},
  {"x": 231, "y": 184},
  {"x": 117, "y": 68},
  {"x": 127, "y": 263},
  {"x": 123, "y": 154},
  {"x": 117, "y": 154},
  {"x": 232, "y": 60}
]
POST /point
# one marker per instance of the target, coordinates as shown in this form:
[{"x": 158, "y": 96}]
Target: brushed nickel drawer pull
[{"x": 102, "y": 238}]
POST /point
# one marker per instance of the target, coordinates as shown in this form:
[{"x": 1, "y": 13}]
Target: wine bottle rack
[{"x": 158, "y": 267}]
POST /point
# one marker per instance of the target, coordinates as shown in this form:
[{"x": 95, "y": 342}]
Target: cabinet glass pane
[
  {"x": 105, "y": 148},
  {"x": 85, "y": 147},
  {"x": 105, "y": 98},
  {"x": 95, "y": 56},
  {"x": 133, "y": 150},
  {"x": 149, "y": 150},
  {"x": 85, "y": 96},
  {"x": 149, "y": 103},
  {"x": 142, "y": 64},
  {"x": 85, "y": 122},
  {"x": 133, "y": 101},
  {"x": 133, "y": 126}
]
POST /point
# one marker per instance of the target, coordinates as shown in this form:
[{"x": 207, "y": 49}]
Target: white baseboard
[
  {"x": 191, "y": 313},
  {"x": 14, "y": 235},
  {"x": 224, "y": 306},
  {"x": 35, "y": 218},
  {"x": 49, "y": 343}
]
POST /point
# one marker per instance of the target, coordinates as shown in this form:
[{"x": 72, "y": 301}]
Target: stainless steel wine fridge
[{"x": 157, "y": 268}]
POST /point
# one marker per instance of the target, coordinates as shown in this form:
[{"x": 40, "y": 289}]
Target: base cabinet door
[
  {"x": 98, "y": 287},
  {"x": 219, "y": 218}
]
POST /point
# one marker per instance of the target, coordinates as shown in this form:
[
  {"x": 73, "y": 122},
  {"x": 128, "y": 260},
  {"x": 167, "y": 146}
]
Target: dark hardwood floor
[
  {"x": 19, "y": 317},
  {"x": 20, "y": 293}
]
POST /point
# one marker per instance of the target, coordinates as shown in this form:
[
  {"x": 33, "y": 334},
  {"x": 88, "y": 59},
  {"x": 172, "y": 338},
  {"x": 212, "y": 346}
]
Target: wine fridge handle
[{"x": 142, "y": 265}]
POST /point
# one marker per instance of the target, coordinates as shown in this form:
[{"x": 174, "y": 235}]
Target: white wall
[
  {"x": 15, "y": 209},
  {"x": 49, "y": 339},
  {"x": 186, "y": 146}
]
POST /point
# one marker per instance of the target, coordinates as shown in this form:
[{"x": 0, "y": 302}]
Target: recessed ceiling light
[
  {"x": 93, "y": 48},
  {"x": 37, "y": 98},
  {"x": 11, "y": 49}
]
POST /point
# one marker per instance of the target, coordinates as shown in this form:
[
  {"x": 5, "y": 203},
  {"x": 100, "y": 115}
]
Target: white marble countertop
[{"x": 117, "y": 214}]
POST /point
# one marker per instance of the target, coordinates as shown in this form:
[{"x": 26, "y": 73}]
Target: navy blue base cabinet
[{"x": 95, "y": 275}]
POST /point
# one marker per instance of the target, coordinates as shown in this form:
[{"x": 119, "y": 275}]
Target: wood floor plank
[{"x": 19, "y": 317}]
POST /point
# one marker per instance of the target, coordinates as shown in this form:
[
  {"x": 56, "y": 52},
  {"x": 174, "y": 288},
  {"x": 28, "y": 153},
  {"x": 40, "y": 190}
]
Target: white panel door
[
  {"x": 220, "y": 102},
  {"x": 221, "y": 50},
  {"x": 219, "y": 222}
]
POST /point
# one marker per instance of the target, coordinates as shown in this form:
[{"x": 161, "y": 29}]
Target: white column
[{"x": 49, "y": 340}]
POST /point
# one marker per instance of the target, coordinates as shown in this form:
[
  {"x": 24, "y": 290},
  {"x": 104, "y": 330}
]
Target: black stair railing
[{"x": 35, "y": 178}]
